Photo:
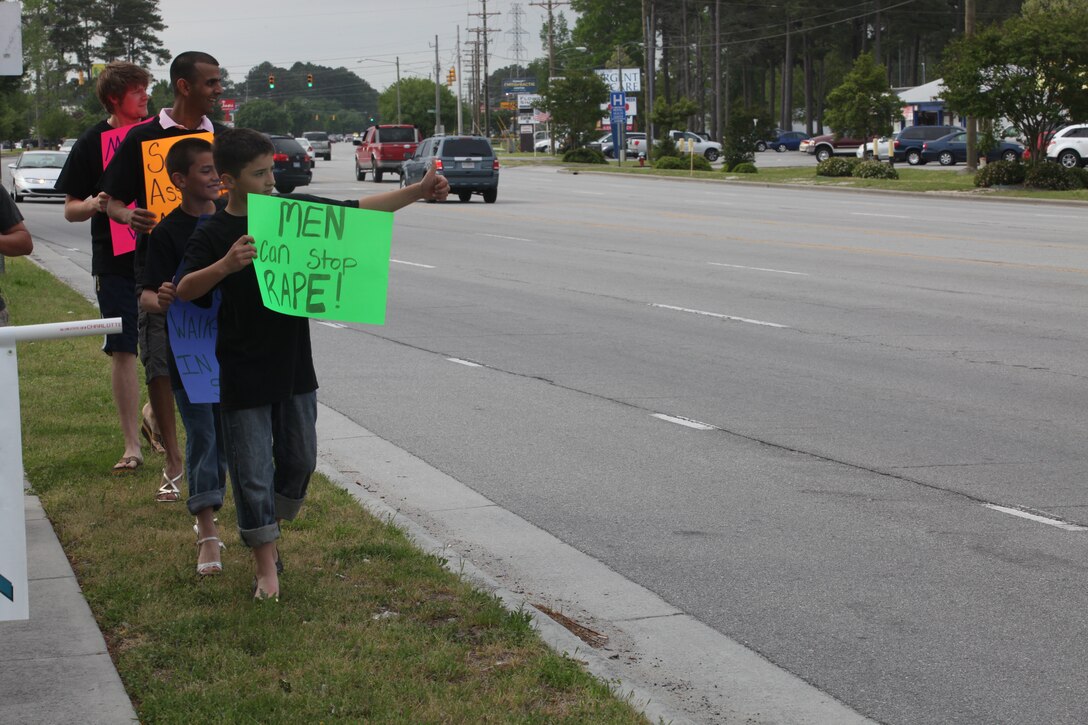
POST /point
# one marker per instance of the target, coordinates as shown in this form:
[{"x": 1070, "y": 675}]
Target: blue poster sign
[{"x": 193, "y": 330}]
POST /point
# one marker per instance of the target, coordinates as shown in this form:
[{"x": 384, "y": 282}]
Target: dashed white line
[
  {"x": 466, "y": 363},
  {"x": 686, "y": 422},
  {"x": 1058, "y": 523},
  {"x": 412, "y": 264},
  {"x": 333, "y": 325},
  {"x": 499, "y": 236},
  {"x": 720, "y": 316},
  {"x": 887, "y": 216},
  {"x": 757, "y": 269}
]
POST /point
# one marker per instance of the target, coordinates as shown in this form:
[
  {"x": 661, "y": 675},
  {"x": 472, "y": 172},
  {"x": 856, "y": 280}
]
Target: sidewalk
[{"x": 55, "y": 665}]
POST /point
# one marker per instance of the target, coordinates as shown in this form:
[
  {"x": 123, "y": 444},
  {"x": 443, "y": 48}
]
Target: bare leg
[
  {"x": 205, "y": 527},
  {"x": 268, "y": 583},
  {"x": 162, "y": 404},
  {"x": 126, "y": 395}
]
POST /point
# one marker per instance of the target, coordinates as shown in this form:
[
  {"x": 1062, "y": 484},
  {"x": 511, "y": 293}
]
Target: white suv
[
  {"x": 1069, "y": 147},
  {"x": 711, "y": 150}
]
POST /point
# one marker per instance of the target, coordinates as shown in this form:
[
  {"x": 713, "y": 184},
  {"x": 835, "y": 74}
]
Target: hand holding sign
[
  {"x": 240, "y": 255},
  {"x": 142, "y": 221},
  {"x": 320, "y": 260}
]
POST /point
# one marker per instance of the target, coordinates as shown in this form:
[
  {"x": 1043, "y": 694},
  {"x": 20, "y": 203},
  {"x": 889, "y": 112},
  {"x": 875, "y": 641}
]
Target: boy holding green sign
[{"x": 267, "y": 382}]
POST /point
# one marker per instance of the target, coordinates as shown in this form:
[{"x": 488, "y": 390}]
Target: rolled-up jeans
[
  {"x": 271, "y": 454},
  {"x": 205, "y": 458}
]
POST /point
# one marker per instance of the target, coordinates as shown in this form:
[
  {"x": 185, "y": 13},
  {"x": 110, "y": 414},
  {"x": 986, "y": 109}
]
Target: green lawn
[
  {"x": 910, "y": 178},
  {"x": 369, "y": 629}
]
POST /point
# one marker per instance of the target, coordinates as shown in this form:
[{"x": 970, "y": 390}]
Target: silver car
[
  {"x": 320, "y": 141},
  {"x": 35, "y": 174}
]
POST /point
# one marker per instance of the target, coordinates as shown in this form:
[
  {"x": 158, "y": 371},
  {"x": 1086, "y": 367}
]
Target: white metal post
[{"x": 13, "y": 569}]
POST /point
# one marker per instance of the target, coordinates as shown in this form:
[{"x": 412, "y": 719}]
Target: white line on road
[
  {"x": 412, "y": 264},
  {"x": 466, "y": 363},
  {"x": 888, "y": 216},
  {"x": 686, "y": 422},
  {"x": 757, "y": 269},
  {"x": 499, "y": 236},
  {"x": 719, "y": 316},
  {"x": 1035, "y": 517},
  {"x": 333, "y": 325}
]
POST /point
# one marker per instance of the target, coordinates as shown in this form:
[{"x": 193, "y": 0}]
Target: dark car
[
  {"x": 908, "y": 144},
  {"x": 952, "y": 149},
  {"x": 292, "y": 164},
  {"x": 785, "y": 140},
  {"x": 467, "y": 162}
]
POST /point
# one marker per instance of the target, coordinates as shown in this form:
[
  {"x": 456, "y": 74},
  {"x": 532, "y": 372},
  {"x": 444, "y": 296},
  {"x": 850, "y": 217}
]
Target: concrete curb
[{"x": 57, "y": 667}]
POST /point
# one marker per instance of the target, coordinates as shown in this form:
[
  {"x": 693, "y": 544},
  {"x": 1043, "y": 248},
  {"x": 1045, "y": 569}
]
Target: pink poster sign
[{"x": 124, "y": 239}]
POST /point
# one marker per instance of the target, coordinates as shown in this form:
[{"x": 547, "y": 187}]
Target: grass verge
[
  {"x": 910, "y": 179},
  {"x": 370, "y": 629}
]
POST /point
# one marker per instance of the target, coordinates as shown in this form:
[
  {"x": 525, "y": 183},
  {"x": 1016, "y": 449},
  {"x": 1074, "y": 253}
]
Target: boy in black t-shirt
[
  {"x": 122, "y": 91},
  {"x": 192, "y": 170},
  {"x": 267, "y": 382}
]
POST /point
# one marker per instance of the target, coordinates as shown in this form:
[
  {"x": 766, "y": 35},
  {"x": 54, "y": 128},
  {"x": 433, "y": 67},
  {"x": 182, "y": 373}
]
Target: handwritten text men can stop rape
[{"x": 321, "y": 260}]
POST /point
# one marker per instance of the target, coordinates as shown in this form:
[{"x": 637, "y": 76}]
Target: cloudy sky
[{"x": 243, "y": 33}]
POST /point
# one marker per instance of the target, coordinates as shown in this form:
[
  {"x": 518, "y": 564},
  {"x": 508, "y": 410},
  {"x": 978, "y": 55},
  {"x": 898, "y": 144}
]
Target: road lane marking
[
  {"x": 719, "y": 316},
  {"x": 758, "y": 269},
  {"x": 466, "y": 363},
  {"x": 686, "y": 422},
  {"x": 333, "y": 325},
  {"x": 1035, "y": 517},
  {"x": 887, "y": 216},
  {"x": 500, "y": 236},
  {"x": 412, "y": 264}
]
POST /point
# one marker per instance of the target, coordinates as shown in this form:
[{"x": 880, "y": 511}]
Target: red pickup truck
[{"x": 384, "y": 148}]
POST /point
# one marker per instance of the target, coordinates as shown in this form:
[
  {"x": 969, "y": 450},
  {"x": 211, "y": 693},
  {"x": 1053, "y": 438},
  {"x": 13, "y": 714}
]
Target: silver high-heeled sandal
[{"x": 209, "y": 567}]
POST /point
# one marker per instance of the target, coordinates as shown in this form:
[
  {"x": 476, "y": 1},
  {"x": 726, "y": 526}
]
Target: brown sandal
[{"x": 127, "y": 464}]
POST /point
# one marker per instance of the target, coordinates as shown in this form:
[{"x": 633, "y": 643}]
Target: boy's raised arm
[{"x": 431, "y": 186}]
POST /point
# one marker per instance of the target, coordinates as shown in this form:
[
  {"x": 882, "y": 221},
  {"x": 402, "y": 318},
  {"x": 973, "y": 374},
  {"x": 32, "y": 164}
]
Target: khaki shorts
[{"x": 153, "y": 350}]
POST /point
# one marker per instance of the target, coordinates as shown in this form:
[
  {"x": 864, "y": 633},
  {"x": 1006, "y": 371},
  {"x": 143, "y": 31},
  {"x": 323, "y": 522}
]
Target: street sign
[{"x": 519, "y": 85}]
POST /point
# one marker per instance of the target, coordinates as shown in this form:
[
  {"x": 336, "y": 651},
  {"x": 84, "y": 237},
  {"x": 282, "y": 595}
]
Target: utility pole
[
  {"x": 460, "y": 101},
  {"x": 972, "y": 122},
  {"x": 483, "y": 32},
  {"x": 437, "y": 103},
  {"x": 550, "y": 6}
]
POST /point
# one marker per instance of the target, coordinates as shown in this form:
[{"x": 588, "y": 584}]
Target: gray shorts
[{"x": 153, "y": 350}]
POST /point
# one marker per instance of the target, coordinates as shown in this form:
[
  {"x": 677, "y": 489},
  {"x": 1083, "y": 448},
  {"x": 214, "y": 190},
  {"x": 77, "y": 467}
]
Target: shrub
[
  {"x": 665, "y": 148},
  {"x": 584, "y": 156},
  {"x": 745, "y": 168},
  {"x": 1000, "y": 173},
  {"x": 1051, "y": 177},
  {"x": 670, "y": 162},
  {"x": 874, "y": 170},
  {"x": 837, "y": 166},
  {"x": 1081, "y": 172},
  {"x": 698, "y": 163},
  {"x": 725, "y": 167}
]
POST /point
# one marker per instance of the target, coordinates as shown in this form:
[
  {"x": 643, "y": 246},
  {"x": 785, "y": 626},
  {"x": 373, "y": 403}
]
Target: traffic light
[
  {"x": 451, "y": 77},
  {"x": 309, "y": 80},
  {"x": 271, "y": 81}
]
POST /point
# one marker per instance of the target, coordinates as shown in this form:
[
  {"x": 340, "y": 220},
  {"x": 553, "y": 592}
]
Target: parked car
[
  {"x": 952, "y": 149},
  {"x": 320, "y": 142},
  {"x": 308, "y": 148},
  {"x": 784, "y": 141},
  {"x": 292, "y": 165},
  {"x": 710, "y": 150},
  {"x": 830, "y": 144},
  {"x": 67, "y": 144},
  {"x": 35, "y": 174},
  {"x": 635, "y": 141},
  {"x": 866, "y": 151},
  {"x": 467, "y": 162},
  {"x": 1069, "y": 146},
  {"x": 602, "y": 144},
  {"x": 908, "y": 144}
]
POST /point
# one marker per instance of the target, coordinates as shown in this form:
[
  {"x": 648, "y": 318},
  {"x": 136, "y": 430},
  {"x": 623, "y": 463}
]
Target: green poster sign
[{"x": 320, "y": 260}]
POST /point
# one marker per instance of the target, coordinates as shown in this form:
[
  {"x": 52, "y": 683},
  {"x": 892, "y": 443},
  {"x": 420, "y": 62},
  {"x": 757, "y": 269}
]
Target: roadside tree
[
  {"x": 864, "y": 105},
  {"x": 1031, "y": 69},
  {"x": 263, "y": 115},
  {"x": 574, "y": 102}
]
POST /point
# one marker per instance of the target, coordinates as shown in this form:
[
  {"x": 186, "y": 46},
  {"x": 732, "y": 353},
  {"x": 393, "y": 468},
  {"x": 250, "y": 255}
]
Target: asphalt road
[{"x": 868, "y": 374}]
